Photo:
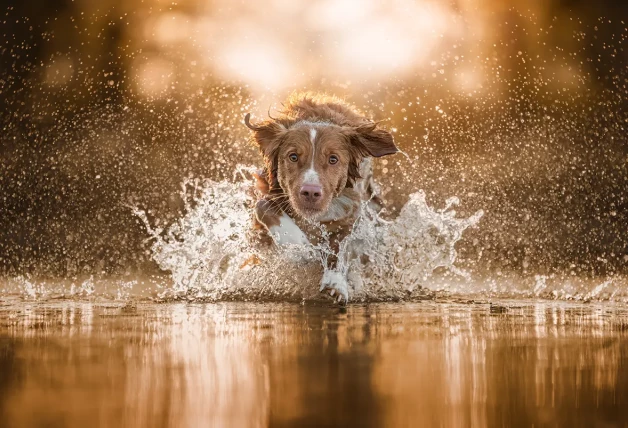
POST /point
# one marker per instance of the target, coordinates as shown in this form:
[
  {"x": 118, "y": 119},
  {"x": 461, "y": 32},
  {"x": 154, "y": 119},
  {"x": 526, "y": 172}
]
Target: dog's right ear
[{"x": 266, "y": 135}]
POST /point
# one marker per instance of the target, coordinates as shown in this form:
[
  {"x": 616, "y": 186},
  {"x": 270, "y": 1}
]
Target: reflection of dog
[{"x": 318, "y": 170}]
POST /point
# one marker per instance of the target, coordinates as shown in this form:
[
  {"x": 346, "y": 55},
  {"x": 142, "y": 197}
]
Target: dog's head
[{"x": 312, "y": 162}]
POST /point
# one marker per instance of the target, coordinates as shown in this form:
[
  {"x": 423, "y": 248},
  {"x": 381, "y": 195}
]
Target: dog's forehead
[
  {"x": 297, "y": 137},
  {"x": 318, "y": 132},
  {"x": 313, "y": 138},
  {"x": 331, "y": 139}
]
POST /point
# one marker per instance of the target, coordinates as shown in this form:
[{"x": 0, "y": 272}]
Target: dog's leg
[
  {"x": 334, "y": 281},
  {"x": 279, "y": 225},
  {"x": 339, "y": 220},
  {"x": 287, "y": 232}
]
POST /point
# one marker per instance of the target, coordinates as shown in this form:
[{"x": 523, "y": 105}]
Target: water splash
[
  {"x": 210, "y": 255},
  {"x": 565, "y": 287}
]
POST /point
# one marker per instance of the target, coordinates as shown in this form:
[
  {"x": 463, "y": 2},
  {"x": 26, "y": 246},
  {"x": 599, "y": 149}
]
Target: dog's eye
[
  {"x": 333, "y": 159},
  {"x": 293, "y": 157}
]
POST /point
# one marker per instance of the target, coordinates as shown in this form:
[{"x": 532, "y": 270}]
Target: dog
[{"x": 317, "y": 171}]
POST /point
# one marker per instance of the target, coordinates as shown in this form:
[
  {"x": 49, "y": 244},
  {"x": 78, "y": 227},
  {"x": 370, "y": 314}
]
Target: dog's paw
[{"x": 336, "y": 285}]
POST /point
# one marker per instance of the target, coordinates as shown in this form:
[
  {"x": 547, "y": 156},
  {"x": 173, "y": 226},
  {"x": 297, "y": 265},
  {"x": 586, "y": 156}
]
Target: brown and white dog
[{"x": 317, "y": 171}]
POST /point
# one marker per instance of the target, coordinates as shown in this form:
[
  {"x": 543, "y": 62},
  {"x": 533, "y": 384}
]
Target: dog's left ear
[{"x": 373, "y": 141}]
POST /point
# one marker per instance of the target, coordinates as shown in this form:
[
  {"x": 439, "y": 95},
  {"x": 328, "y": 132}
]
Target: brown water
[{"x": 525, "y": 363}]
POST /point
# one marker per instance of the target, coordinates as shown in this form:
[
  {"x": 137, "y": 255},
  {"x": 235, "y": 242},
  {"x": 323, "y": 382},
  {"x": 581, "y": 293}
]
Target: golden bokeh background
[{"x": 517, "y": 107}]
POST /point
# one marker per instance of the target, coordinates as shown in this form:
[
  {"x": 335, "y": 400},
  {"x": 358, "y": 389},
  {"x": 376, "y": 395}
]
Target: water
[
  {"x": 436, "y": 363},
  {"x": 209, "y": 254}
]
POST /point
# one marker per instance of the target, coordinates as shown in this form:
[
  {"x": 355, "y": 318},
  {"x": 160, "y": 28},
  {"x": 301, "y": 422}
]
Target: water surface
[{"x": 450, "y": 364}]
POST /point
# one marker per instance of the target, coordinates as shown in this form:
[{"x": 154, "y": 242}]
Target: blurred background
[{"x": 517, "y": 107}]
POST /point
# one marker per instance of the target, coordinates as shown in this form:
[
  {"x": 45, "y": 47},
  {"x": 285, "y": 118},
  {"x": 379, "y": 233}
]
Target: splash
[{"x": 210, "y": 254}]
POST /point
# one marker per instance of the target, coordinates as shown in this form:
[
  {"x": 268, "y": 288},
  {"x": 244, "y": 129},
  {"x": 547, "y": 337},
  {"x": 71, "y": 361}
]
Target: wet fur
[{"x": 339, "y": 129}]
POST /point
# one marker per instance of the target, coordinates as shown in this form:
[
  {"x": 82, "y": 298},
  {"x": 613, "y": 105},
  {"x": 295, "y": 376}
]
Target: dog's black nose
[{"x": 311, "y": 192}]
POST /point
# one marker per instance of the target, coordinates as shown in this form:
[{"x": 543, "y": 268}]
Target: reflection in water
[
  {"x": 237, "y": 364},
  {"x": 212, "y": 373}
]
